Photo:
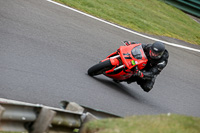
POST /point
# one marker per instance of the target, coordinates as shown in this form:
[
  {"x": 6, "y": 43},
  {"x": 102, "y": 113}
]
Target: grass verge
[
  {"x": 146, "y": 124},
  {"x": 11, "y": 132},
  {"x": 147, "y": 16}
]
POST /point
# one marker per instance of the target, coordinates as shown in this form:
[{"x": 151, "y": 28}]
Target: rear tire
[{"x": 100, "y": 68}]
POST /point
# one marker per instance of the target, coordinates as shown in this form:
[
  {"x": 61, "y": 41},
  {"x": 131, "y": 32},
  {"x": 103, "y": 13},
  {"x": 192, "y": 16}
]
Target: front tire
[{"x": 100, "y": 68}]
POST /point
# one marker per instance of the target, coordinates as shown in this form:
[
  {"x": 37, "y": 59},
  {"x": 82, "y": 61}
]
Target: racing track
[{"x": 45, "y": 51}]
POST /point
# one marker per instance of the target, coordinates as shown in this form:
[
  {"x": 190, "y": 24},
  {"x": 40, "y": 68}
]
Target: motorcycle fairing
[{"x": 131, "y": 56}]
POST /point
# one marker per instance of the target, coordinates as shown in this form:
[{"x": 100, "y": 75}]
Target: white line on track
[{"x": 154, "y": 39}]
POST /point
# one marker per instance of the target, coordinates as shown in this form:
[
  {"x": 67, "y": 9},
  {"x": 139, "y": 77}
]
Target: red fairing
[{"x": 124, "y": 61}]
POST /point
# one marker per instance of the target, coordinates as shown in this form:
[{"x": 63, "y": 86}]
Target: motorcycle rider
[{"x": 157, "y": 57}]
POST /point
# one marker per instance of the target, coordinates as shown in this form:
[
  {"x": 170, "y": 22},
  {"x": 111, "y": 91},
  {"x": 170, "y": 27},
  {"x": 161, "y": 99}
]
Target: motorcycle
[{"x": 122, "y": 64}]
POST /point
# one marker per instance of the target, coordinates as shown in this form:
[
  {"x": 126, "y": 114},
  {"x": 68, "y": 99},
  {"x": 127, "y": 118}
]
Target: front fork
[{"x": 114, "y": 60}]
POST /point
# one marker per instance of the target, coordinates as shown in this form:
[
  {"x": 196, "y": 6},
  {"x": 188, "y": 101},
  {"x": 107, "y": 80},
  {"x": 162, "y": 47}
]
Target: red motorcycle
[{"x": 122, "y": 64}]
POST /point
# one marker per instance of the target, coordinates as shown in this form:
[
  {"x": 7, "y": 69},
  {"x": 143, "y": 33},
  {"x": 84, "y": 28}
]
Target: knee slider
[{"x": 147, "y": 88}]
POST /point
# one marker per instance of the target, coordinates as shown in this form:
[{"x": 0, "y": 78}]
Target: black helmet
[{"x": 156, "y": 50}]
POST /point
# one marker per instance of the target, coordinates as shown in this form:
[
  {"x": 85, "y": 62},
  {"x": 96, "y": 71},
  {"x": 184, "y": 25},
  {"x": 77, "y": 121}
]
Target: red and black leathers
[{"x": 151, "y": 70}]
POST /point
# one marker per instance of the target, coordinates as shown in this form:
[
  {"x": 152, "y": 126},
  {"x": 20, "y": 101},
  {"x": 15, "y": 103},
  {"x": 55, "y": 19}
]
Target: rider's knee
[{"x": 146, "y": 88}]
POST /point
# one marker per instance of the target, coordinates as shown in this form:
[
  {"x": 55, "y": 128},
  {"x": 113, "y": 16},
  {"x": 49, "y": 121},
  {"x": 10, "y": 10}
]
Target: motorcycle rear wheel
[{"x": 100, "y": 68}]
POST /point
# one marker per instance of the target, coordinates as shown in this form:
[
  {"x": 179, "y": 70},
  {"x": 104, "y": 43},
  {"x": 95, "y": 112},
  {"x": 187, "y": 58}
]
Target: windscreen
[{"x": 136, "y": 52}]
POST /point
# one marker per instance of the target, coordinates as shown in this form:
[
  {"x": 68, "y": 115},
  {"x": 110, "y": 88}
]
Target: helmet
[{"x": 156, "y": 50}]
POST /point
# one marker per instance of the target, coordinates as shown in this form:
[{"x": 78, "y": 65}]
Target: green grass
[
  {"x": 11, "y": 132},
  {"x": 146, "y": 124},
  {"x": 147, "y": 16}
]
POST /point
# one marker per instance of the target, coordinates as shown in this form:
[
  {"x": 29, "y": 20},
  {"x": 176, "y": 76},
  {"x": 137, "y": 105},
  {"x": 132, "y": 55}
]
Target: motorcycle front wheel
[{"x": 100, "y": 68}]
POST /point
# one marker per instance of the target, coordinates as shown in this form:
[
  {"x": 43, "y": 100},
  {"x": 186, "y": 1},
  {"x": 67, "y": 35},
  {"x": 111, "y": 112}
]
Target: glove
[{"x": 139, "y": 73}]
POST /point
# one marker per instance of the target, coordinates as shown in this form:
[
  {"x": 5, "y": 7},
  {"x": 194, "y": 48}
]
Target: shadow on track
[
  {"x": 121, "y": 88},
  {"x": 131, "y": 92}
]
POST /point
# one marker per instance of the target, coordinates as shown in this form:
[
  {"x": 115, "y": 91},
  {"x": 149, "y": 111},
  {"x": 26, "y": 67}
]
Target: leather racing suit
[{"x": 151, "y": 70}]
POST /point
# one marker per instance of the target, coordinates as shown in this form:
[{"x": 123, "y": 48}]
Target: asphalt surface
[{"x": 46, "y": 50}]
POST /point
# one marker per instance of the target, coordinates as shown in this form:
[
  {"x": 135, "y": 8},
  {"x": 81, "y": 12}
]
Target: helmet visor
[{"x": 155, "y": 55}]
